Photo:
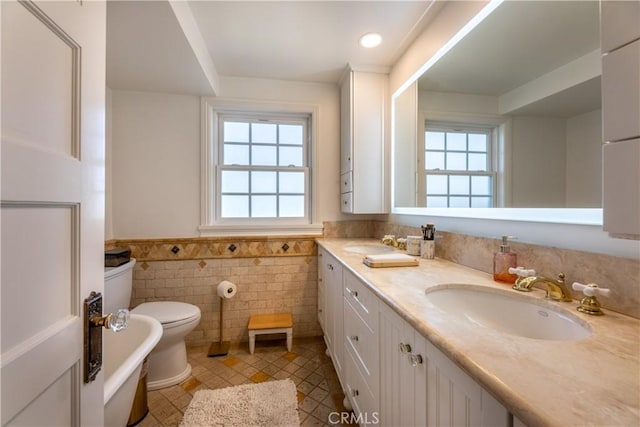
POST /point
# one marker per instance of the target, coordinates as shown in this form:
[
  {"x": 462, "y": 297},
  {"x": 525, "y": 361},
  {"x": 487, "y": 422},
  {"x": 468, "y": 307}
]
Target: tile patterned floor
[{"x": 319, "y": 391}]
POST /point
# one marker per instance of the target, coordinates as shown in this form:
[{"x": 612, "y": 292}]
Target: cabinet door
[
  {"x": 621, "y": 187},
  {"x": 322, "y": 301},
  {"x": 619, "y": 23},
  {"x": 368, "y": 122},
  {"x": 346, "y": 132},
  {"x": 621, "y": 93},
  {"x": 455, "y": 399},
  {"x": 403, "y": 383},
  {"x": 333, "y": 321}
]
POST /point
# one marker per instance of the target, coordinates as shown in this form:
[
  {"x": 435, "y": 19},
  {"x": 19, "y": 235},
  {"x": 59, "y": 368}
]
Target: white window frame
[{"x": 210, "y": 223}]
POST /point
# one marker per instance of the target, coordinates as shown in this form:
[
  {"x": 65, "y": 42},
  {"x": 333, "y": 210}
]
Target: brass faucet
[{"x": 556, "y": 288}]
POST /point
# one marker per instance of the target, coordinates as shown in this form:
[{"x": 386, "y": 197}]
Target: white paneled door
[{"x": 52, "y": 211}]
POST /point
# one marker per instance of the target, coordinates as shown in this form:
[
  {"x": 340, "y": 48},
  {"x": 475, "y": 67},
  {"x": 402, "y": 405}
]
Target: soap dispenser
[{"x": 504, "y": 260}]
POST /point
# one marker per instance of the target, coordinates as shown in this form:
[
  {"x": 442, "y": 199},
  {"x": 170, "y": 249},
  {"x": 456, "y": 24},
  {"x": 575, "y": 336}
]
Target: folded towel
[{"x": 390, "y": 260}]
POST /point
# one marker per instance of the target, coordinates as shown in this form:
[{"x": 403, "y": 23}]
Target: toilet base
[{"x": 168, "y": 382}]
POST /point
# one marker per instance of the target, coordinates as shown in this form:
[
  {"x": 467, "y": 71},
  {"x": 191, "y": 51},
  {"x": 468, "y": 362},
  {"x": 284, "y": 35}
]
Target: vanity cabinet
[
  {"x": 621, "y": 117},
  {"x": 421, "y": 386},
  {"x": 363, "y": 111},
  {"x": 390, "y": 373}
]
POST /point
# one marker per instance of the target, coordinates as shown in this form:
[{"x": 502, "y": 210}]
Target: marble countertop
[{"x": 593, "y": 381}]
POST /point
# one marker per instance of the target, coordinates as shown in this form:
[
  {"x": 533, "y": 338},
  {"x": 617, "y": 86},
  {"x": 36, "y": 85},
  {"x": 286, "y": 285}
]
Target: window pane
[
  {"x": 481, "y": 202},
  {"x": 436, "y": 202},
  {"x": 292, "y": 206},
  {"x": 292, "y": 182},
  {"x": 290, "y": 156},
  {"x": 477, "y": 162},
  {"x": 436, "y": 184},
  {"x": 236, "y": 132},
  {"x": 263, "y": 207},
  {"x": 291, "y": 134},
  {"x": 456, "y": 141},
  {"x": 434, "y": 160},
  {"x": 477, "y": 142},
  {"x": 234, "y": 206},
  {"x": 235, "y": 181},
  {"x": 263, "y": 182},
  {"x": 263, "y": 133},
  {"x": 458, "y": 184},
  {"x": 263, "y": 156},
  {"x": 457, "y": 161},
  {"x": 458, "y": 202},
  {"x": 236, "y": 154},
  {"x": 434, "y": 140},
  {"x": 481, "y": 185}
]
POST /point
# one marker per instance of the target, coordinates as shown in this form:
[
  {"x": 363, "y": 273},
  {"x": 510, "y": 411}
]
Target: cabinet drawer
[
  {"x": 347, "y": 202},
  {"x": 362, "y": 398},
  {"x": 346, "y": 182},
  {"x": 362, "y": 343},
  {"x": 361, "y": 299},
  {"x": 620, "y": 88}
]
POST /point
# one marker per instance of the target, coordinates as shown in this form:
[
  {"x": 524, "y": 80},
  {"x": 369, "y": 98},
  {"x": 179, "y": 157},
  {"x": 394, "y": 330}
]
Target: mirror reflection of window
[{"x": 459, "y": 170}]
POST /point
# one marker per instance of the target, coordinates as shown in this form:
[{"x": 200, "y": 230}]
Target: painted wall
[
  {"x": 108, "y": 184},
  {"x": 584, "y": 160},
  {"x": 155, "y": 155},
  {"x": 155, "y": 164},
  {"x": 538, "y": 158}
]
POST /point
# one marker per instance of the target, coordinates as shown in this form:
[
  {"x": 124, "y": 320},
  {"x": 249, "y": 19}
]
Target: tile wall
[
  {"x": 271, "y": 274},
  {"x": 621, "y": 275}
]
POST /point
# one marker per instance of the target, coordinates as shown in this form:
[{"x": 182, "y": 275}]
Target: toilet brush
[{"x": 220, "y": 348}]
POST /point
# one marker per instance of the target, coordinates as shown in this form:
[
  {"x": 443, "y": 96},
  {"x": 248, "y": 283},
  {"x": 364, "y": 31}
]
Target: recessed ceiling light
[{"x": 370, "y": 40}]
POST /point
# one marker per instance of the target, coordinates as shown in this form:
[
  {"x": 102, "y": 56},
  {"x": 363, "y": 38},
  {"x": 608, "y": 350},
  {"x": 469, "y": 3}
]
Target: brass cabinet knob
[
  {"x": 404, "y": 348},
  {"x": 415, "y": 359}
]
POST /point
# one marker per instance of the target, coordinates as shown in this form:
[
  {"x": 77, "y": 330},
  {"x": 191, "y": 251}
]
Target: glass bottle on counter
[{"x": 504, "y": 260}]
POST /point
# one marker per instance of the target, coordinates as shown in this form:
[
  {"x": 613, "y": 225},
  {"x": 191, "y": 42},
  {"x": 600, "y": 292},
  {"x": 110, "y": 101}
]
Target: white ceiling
[
  {"x": 519, "y": 42},
  {"x": 289, "y": 40}
]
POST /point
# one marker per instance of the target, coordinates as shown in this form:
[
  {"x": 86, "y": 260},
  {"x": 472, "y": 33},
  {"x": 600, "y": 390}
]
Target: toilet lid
[{"x": 168, "y": 311}]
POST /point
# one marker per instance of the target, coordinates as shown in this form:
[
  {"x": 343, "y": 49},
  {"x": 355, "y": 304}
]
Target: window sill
[{"x": 260, "y": 230}]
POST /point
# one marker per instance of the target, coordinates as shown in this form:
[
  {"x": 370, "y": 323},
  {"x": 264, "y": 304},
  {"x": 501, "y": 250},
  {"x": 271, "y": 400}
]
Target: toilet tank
[{"x": 118, "y": 282}]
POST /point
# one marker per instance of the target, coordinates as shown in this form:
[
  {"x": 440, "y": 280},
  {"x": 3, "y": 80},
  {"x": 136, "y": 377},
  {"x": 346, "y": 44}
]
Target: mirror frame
[{"x": 578, "y": 216}]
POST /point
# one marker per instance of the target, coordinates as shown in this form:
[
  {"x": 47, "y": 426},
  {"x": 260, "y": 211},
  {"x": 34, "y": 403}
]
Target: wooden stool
[{"x": 281, "y": 323}]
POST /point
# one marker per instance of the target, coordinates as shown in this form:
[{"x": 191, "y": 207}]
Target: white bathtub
[{"x": 122, "y": 357}]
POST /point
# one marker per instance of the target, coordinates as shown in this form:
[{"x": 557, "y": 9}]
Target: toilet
[{"x": 168, "y": 363}]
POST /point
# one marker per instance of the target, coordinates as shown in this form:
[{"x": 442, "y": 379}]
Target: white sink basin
[
  {"x": 369, "y": 249},
  {"x": 507, "y": 312}
]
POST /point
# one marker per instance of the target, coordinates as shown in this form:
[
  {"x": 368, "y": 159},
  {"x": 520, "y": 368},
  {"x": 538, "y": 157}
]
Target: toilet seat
[{"x": 169, "y": 313}]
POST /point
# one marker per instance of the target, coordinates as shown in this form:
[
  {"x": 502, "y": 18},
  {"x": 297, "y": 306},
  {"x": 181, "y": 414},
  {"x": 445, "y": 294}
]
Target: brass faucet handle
[
  {"x": 522, "y": 272},
  {"x": 590, "y": 304},
  {"x": 591, "y": 289}
]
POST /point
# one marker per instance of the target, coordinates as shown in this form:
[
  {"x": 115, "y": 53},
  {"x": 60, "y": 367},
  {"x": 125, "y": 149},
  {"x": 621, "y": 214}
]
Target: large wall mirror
[{"x": 510, "y": 117}]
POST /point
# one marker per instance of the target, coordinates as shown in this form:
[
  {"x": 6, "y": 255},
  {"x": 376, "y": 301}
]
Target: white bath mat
[{"x": 271, "y": 403}]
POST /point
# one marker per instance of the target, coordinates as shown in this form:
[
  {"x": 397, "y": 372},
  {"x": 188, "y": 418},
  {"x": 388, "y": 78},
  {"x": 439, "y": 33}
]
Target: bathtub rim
[{"x": 130, "y": 364}]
